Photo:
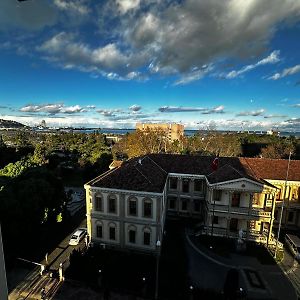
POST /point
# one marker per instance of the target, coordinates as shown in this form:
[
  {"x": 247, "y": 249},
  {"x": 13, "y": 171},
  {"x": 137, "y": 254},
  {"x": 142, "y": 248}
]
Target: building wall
[
  {"x": 122, "y": 221},
  {"x": 174, "y": 131},
  {"x": 291, "y": 210}
]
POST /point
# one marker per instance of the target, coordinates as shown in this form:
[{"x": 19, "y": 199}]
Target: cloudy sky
[{"x": 234, "y": 64}]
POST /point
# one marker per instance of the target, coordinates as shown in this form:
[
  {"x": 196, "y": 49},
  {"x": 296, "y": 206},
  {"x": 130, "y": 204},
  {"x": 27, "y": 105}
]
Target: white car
[{"x": 77, "y": 236}]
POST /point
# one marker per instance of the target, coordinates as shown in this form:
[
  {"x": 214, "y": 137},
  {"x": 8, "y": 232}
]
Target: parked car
[
  {"x": 293, "y": 243},
  {"x": 77, "y": 236}
]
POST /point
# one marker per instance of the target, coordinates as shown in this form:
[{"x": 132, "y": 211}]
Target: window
[
  {"x": 276, "y": 214},
  {"x": 147, "y": 237},
  {"x": 112, "y": 232},
  {"x": 98, "y": 202},
  {"x": 147, "y": 208},
  {"x": 173, "y": 183},
  {"x": 185, "y": 185},
  {"x": 172, "y": 202},
  {"x": 198, "y": 185},
  {"x": 183, "y": 204},
  {"x": 133, "y": 206},
  {"x": 112, "y": 208},
  {"x": 196, "y": 205},
  {"x": 217, "y": 195},
  {"x": 233, "y": 225},
  {"x": 291, "y": 216},
  {"x": 99, "y": 231},
  {"x": 235, "y": 200},
  {"x": 255, "y": 199},
  {"x": 278, "y": 195},
  {"x": 215, "y": 220},
  {"x": 132, "y": 233}
]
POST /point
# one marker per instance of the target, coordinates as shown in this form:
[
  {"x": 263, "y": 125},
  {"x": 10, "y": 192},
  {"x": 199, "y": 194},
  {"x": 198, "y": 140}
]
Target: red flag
[{"x": 215, "y": 163}]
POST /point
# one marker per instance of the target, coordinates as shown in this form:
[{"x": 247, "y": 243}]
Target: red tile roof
[{"x": 149, "y": 173}]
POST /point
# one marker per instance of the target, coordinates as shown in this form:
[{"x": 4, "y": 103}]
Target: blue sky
[{"x": 204, "y": 63}]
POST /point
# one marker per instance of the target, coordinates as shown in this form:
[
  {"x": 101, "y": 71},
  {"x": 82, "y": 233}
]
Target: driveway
[{"x": 208, "y": 271}]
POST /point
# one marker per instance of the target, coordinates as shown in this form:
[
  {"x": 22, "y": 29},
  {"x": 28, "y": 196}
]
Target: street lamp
[{"x": 158, "y": 244}]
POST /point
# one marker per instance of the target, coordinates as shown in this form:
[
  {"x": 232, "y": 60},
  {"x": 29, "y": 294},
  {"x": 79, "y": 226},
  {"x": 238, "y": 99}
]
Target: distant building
[
  {"x": 174, "y": 131},
  {"x": 3, "y": 284},
  {"x": 272, "y": 132},
  {"x": 127, "y": 206}
]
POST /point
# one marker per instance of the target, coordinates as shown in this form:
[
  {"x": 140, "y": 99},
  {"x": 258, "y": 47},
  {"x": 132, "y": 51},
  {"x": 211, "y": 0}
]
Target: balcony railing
[{"x": 260, "y": 213}]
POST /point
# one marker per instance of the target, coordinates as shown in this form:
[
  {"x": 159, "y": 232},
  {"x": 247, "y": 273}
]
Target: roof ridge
[{"x": 157, "y": 164}]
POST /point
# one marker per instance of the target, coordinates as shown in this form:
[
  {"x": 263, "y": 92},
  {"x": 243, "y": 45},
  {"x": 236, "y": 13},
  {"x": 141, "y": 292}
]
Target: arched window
[
  {"x": 147, "y": 208},
  {"x": 132, "y": 234},
  {"x": 112, "y": 231},
  {"x": 132, "y": 206},
  {"x": 112, "y": 204},
  {"x": 98, "y": 202},
  {"x": 147, "y": 236},
  {"x": 99, "y": 230}
]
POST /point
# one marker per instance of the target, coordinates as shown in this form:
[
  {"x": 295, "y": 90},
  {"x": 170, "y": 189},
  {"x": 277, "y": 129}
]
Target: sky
[{"x": 230, "y": 65}]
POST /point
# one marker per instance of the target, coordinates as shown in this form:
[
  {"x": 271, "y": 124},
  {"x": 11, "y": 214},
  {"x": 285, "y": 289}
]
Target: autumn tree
[{"x": 278, "y": 150}]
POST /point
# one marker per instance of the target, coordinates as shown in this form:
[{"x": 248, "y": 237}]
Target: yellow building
[{"x": 173, "y": 131}]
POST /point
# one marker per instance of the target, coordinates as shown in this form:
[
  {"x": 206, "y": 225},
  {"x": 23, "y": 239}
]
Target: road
[
  {"x": 30, "y": 287},
  {"x": 291, "y": 269}
]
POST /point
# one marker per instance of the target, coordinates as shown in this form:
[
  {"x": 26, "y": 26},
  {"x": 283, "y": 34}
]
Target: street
[
  {"x": 291, "y": 268},
  {"x": 31, "y": 285}
]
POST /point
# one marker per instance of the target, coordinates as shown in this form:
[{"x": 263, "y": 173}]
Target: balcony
[{"x": 260, "y": 213}]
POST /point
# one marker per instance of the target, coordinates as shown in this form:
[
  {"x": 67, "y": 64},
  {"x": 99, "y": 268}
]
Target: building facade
[
  {"x": 127, "y": 206},
  {"x": 173, "y": 131}
]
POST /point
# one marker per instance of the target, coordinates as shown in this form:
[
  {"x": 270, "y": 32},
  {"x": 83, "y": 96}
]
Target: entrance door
[{"x": 233, "y": 226}]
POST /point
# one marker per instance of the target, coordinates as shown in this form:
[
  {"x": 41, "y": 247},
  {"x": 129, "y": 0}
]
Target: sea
[{"x": 187, "y": 132}]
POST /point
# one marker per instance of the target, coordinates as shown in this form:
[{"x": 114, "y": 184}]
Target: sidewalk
[{"x": 273, "y": 279}]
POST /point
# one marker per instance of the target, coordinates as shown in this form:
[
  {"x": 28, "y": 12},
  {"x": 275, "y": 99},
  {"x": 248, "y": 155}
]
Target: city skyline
[{"x": 232, "y": 65}]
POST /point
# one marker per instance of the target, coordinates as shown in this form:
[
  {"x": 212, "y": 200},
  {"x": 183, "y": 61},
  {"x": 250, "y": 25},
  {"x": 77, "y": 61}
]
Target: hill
[{"x": 8, "y": 124}]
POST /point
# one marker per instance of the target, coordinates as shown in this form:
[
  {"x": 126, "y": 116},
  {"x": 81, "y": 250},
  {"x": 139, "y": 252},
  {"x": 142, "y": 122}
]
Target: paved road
[
  {"x": 209, "y": 273},
  {"x": 31, "y": 285},
  {"x": 291, "y": 269}
]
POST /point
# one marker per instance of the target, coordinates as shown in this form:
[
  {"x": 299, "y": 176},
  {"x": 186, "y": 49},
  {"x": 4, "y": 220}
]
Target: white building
[{"x": 127, "y": 206}]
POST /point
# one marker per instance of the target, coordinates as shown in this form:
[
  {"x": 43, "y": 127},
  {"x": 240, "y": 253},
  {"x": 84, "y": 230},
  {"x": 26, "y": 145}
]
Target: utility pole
[{"x": 282, "y": 204}]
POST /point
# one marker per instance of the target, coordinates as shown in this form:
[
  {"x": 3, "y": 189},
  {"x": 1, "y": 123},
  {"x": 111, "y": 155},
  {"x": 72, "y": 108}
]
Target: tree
[
  {"x": 27, "y": 201},
  {"x": 39, "y": 155},
  {"x": 278, "y": 150}
]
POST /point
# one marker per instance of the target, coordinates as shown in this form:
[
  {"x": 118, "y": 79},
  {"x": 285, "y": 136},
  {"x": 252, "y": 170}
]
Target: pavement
[
  {"x": 291, "y": 269},
  {"x": 30, "y": 285},
  {"x": 214, "y": 269}
]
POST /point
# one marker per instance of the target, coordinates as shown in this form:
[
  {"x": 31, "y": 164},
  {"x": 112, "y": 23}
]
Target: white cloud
[
  {"x": 135, "y": 108},
  {"x": 73, "y": 6},
  {"x": 194, "y": 75},
  {"x": 194, "y": 33},
  {"x": 254, "y": 113},
  {"x": 181, "y": 109},
  {"x": 271, "y": 59},
  {"x": 286, "y": 72},
  {"x": 108, "y": 60},
  {"x": 127, "y": 5},
  {"x": 52, "y": 109}
]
